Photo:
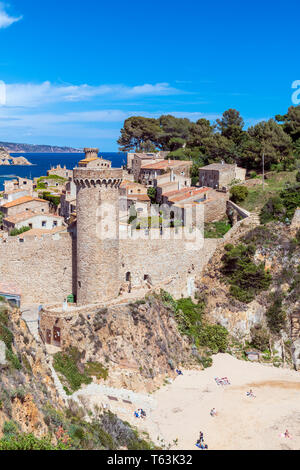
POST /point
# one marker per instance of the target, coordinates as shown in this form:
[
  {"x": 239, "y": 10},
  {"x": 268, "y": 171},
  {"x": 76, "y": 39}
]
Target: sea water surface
[{"x": 41, "y": 162}]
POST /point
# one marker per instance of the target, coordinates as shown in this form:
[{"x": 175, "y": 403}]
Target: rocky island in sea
[{"x": 7, "y": 159}]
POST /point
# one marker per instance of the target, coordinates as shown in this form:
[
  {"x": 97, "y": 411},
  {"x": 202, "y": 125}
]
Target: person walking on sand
[{"x": 201, "y": 437}]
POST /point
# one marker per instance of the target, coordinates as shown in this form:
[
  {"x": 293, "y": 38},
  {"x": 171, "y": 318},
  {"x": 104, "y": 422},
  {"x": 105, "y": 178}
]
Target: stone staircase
[{"x": 255, "y": 217}]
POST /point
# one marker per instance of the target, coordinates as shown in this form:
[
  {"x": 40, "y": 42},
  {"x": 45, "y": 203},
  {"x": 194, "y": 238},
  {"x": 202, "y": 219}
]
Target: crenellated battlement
[
  {"x": 84, "y": 177},
  {"x": 8, "y": 240}
]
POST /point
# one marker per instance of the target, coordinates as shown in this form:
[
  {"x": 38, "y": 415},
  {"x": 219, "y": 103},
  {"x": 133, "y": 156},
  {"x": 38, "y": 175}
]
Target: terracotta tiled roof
[
  {"x": 218, "y": 166},
  {"x": 91, "y": 159},
  {"x": 23, "y": 200},
  {"x": 181, "y": 191},
  {"x": 131, "y": 184},
  {"x": 14, "y": 219},
  {"x": 38, "y": 232},
  {"x": 139, "y": 197},
  {"x": 188, "y": 194},
  {"x": 165, "y": 164}
]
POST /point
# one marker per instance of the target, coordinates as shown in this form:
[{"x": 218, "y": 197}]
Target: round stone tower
[{"x": 97, "y": 208}]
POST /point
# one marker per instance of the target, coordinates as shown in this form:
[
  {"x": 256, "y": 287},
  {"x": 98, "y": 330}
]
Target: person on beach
[
  {"x": 201, "y": 438},
  {"x": 287, "y": 434},
  {"x": 213, "y": 412}
]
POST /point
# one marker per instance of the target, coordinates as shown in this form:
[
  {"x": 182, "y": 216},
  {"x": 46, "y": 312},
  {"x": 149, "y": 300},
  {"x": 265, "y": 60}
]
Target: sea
[{"x": 41, "y": 162}]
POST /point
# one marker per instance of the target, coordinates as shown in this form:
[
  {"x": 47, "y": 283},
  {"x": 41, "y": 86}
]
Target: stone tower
[{"x": 97, "y": 232}]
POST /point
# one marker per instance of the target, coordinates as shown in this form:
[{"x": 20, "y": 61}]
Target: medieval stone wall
[
  {"x": 171, "y": 264},
  {"x": 41, "y": 268}
]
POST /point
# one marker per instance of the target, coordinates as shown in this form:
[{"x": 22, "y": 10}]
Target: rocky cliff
[
  {"x": 33, "y": 416},
  {"x": 139, "y": 344},
  {"x": 7, "y": 159},
  {"x": 26, "y": 384},
  {"x": 273, "y": 310}
]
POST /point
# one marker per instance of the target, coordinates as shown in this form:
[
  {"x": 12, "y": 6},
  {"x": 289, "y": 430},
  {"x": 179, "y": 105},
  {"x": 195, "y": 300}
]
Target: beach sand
[{"x": 183, "y": 407}]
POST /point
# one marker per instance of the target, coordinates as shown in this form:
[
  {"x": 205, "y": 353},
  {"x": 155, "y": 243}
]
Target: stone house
[
  {"x": 68, "y": 200},
  {"x": 213, "y": 202},
  {"x": 133, "y": 194},
  {"x": 21, "y": 184},
  {"x": 60, "y": 171},
  {"x": 25, "y": 203},
  {"x": 12, "y": 195},
  {"x": 150, "y": 172},
  {"x": 219, "y": 175},
  {"x": 136, "y": 160},
  {"x": 33, "y": 220}
]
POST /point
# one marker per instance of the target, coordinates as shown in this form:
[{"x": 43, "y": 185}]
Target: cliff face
[
  {"x": 278, "y": 249},
  {"x": 26, "y": 384},
  {"x": 138, "y": 343}
]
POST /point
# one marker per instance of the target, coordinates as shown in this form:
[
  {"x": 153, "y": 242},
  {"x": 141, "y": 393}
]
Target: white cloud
[
  {"x": 31, "y": 95},
  {"x": 5, "y": 19}
]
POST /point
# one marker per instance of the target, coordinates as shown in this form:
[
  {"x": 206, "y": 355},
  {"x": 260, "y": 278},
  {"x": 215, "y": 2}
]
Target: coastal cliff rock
[
  {"x": 279, "y": 250},
  {"x": 7, "y": 159},
  {"x": 139, "y": 344},
  {"x": 26, "y": 384}
]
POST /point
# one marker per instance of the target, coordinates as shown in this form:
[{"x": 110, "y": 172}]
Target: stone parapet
[{"x": 103, "y": 177}]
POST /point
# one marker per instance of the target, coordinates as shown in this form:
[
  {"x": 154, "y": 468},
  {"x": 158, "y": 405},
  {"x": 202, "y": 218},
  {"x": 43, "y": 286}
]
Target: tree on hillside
[
  {"x": 199, "y": 131},
  {"x": 231, "y": 125},
  {"x": 269, "y": 138},
  {"x": 139, "y": 134},
  {"x": 174, "y": 132},
  {"x": 291, "y": 122},
  {"x": 218, "y": 148}
]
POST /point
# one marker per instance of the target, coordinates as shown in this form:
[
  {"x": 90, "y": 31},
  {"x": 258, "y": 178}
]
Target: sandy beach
[{"x": 183, "y": 407}]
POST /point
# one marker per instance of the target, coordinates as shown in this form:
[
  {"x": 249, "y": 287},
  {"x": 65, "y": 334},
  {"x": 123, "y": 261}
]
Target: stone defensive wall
[
  {"x": 41, "y": 267},
  {"x": 174, "y": 263},
  {"x": 44, "y": 269}
]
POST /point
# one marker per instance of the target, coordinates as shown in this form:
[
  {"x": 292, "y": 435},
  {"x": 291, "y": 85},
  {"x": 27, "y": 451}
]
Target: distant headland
[{"x": 30, "y": 148}]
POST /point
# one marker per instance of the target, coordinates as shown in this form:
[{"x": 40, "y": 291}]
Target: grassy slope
[{"x": 273, "y": 185}]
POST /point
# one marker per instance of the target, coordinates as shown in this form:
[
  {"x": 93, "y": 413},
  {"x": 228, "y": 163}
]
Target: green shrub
[
  {"x": 290, "y": 197},
  {"x": 275, "y": 314},
  {"x": 216, "y": 229},
  {"x": 152, "y": 194},
  {"x": 18, "y": 231},
  {"x": 272, "y": 210},
  {"x": 298, "y": 176},
  {"x": 246, "y": 279},
  {"x": 13, "y": 360},
  {"x": 10, "y": 428},
  {"x": 55, "y": 200},
  {"x": 67, "y": 364},
  {"x": 29, "y": 442},
  {"x": 215, "y": 337},
  {"x": 95, "y": 369},
  {"x": 238, "y": 193},
  {"x": 260, "y": 337}
]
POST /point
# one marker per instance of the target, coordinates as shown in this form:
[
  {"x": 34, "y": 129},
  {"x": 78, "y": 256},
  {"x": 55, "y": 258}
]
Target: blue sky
[{"x": 74, "y": 69}]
